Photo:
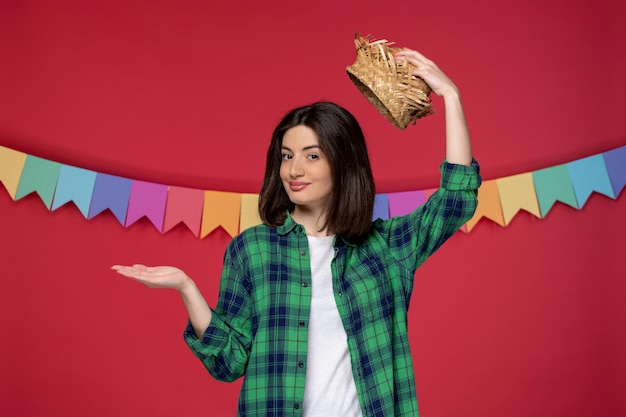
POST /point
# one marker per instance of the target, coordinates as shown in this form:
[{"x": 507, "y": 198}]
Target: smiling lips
[{"x": 297, "y": 186}]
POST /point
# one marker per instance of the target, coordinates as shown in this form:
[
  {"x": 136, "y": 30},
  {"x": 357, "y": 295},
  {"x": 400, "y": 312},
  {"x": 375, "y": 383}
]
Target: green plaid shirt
[{"x": 259, "y": 326}]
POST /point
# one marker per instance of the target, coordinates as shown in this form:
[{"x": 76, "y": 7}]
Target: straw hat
[{"x": 389, "y": 84}]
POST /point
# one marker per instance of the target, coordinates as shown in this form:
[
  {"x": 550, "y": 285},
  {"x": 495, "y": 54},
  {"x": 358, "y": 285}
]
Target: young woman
[{"x": 313, "y": 304}]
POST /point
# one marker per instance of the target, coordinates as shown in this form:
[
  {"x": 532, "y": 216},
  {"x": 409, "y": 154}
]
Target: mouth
[{"x": 297, "y": 186}]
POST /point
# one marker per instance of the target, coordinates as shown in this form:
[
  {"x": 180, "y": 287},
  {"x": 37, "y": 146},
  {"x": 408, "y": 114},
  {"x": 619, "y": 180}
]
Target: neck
[{"x": 312, "y": 220}]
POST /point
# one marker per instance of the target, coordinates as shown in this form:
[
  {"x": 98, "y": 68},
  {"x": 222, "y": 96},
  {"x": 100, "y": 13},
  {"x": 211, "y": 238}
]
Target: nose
[{"x": 295, "y": 169}]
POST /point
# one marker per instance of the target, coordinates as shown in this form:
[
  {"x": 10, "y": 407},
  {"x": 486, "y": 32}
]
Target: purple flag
[{"x": 110, "y": 192}]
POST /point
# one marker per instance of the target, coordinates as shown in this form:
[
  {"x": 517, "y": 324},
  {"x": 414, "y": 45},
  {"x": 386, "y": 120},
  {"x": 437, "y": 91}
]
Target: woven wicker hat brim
[{"x": 389, "y": 85}]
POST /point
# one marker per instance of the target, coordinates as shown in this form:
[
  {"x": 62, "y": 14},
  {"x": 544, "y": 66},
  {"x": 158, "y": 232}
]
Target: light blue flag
[
  {"x": 589, "y": 175},
  {"x": 74, "y": 184},
  {"x": 381, "y": 207},
  {"x": 551, "y": 185},
  {"x": 38, "y": 175}
]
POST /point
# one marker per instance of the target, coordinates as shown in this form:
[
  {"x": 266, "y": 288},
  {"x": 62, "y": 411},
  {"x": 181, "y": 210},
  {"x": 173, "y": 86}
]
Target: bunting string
[{"x": 203, "y": 211}]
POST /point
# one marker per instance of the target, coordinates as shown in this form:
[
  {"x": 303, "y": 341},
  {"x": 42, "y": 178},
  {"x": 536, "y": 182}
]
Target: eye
[
  {"x": 313, "y": 156},
  {"x": 286, "y": 156}
]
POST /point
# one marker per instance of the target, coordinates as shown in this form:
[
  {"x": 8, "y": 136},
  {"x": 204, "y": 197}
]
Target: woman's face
[{"x": 305, "y": 170}]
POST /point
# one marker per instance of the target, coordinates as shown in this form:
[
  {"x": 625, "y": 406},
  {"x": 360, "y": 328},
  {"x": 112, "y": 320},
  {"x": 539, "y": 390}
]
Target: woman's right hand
[{"x": 155, "y": 276}]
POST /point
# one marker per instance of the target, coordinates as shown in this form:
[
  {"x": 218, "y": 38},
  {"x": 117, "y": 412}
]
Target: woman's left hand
[{"x": 427, "y": 70}]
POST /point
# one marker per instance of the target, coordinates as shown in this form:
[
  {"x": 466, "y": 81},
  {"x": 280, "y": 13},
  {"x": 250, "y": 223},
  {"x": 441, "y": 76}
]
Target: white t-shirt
[{"x": 329, "y": 390}]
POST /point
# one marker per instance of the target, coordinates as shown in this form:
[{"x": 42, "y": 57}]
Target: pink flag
[{"x": 147, "y": 199}]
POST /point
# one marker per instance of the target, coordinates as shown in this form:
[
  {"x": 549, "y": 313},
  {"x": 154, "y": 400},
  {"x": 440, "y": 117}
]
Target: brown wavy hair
[{"x": 351, "y": 205}]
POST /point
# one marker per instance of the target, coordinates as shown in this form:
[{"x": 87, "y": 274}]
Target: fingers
[
  {"x": 411, "y": 53},
  {"x": 121, "y": 269},
  {"x": 428, "y": 71},
  {"x": 127, "y": 271},
  {"x": 135, "y": 267},
  {"x": 153, "y": 277},
  {"x": 423, "y": 66},
  {"x": 134, "y": 272}
]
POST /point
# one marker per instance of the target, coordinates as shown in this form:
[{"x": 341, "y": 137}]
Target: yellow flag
[
  {"x": 11, "y": 166},
  {"x": 249, "y": 211},
  {"x": 518, "y": 192}
]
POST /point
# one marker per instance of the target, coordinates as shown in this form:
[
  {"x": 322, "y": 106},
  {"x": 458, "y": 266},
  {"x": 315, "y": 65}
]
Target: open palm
[{"x": 154, "y": 276}]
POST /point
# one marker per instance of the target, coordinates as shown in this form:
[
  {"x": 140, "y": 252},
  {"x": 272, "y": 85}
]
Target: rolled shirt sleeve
[{"x": 224, "y": 348}]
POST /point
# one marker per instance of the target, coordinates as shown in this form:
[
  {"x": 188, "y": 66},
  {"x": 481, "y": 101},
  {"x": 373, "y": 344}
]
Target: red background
[{"x": 524, "y": 320}]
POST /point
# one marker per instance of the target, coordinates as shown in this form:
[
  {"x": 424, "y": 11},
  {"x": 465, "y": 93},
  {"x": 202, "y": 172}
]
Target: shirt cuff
[
  {"x": 457, "y": 177},
  {"x": 213, "y": 341}
]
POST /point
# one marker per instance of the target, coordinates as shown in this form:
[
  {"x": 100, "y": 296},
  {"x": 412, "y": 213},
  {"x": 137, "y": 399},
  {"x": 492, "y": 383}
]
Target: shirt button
[
  {"x": 301, "y": 324},
  {"x": 296, "y": 406},
  {"x": 302, "y": 252},
  {"x": 300, "y": 364},
  {"x": 305, "y": 284}
]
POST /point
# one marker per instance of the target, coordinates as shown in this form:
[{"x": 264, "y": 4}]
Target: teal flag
[
  {"x": 39, "y": 175},
  {"x": 551, "y": 185}
]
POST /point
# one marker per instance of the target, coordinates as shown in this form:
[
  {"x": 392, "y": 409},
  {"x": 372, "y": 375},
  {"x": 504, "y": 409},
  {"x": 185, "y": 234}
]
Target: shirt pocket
[{"x": 372, "y": 294}]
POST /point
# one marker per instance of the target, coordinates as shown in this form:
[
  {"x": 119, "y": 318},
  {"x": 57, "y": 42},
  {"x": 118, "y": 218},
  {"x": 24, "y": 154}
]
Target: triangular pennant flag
[
  {"x": 551, "y": 185},
  {"x": 405, "y": 202},
  {"x": 11, "y": 166},
  {"x": 147, "y": 199},
  {"x": 221, "y": 209},
  {"x": 184, "y": 205},
  {"x": 381, "y": 207},
  {"x": 615, "y": 163},
  {"x": 589, "y": 175},
  {"x": 249, "y": 211},
  {"x": 517, "y": 192},
  {"x": 488, "y": 205},
  {"x": 110, "y": 192},
  {"x": 38, "y": 175},
  {"x": 74, "y": 184}
]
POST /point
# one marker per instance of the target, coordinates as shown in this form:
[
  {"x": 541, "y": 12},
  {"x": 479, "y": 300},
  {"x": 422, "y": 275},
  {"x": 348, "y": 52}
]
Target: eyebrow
[{"x": 306, "y": 148}]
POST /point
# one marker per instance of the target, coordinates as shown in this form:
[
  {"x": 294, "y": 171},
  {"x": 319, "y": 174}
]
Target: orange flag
[
  {"x": 488, "y": 205},
  {"x": 220, "y": 209}
]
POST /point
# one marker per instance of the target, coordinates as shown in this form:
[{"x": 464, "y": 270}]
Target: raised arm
[
  {"x": 172, "y": 277},
  {"x": 458, "y": 145}
]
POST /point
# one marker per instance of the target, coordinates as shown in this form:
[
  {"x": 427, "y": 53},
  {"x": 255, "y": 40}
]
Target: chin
[{"x": 298, "y": 201}]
